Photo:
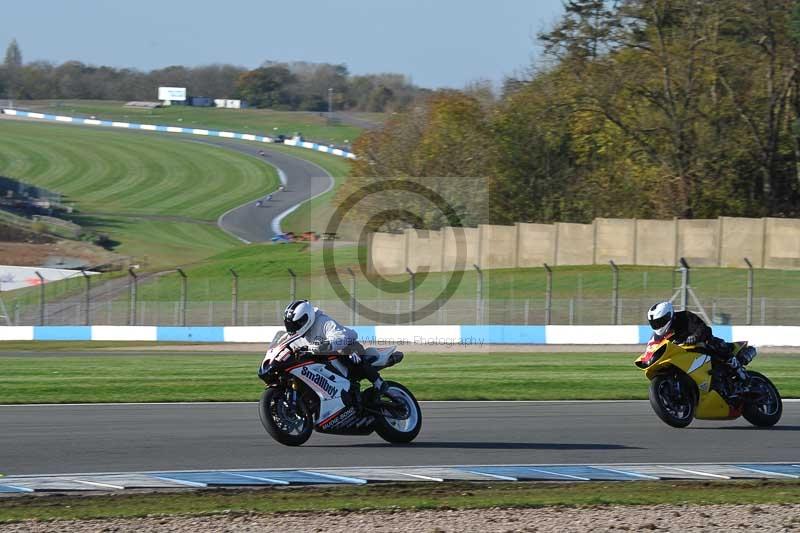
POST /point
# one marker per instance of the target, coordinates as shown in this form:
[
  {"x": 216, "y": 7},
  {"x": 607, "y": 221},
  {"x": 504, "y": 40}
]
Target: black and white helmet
[
  {"x": 660, "y": 317},
  {"x": 299, "y": 317}
]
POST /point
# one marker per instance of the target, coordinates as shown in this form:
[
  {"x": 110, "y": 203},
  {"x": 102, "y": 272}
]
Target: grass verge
[
  {"x": 190, "y": 376},
  {"x": 401, "y": 496},
  {"x": 257, "y": 121}
]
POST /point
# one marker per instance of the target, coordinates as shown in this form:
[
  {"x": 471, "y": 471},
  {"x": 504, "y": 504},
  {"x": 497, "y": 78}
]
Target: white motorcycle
[{"x": 308, "y": 391}]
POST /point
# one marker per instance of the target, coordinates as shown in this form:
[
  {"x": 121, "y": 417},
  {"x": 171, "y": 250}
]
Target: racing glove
[
  {"x": 320, "y": 347},
  {"x": 355, "y": 358},
  {"x": 691, "y": 339}
]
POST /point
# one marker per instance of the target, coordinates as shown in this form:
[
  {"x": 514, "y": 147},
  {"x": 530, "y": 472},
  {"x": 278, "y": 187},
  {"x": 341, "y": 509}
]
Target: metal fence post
[
  {"x": 548, "y": 295},
  {"x": 292, "y": 285},
  {"x": 132, "y": 283},
  {"x": 41, "y": 298},
  {"x": 234, "y": 297},
  {"x": 614, "y": 293},
  {"x": 684, "y": 283},
  {"x": 184, "y": 282},
  {"x": 87, "y": 318},
  {"x": 353, "y": 300},
  {"x": 749, "y": 312},
  {"x": 411, "y": 293},
  {"x": 479, "y": 296}
]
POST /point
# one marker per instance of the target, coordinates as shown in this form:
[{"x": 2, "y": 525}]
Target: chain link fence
[{"x": 569, "y": 296}]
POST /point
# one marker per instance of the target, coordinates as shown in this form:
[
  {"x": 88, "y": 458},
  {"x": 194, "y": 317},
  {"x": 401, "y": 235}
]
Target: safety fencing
[
  {"x": 177, "y": 129},
  {"x": 433, "y": 335}
]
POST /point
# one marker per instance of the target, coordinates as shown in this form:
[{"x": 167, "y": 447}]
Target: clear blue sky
[{"x": 436, "y": 42}]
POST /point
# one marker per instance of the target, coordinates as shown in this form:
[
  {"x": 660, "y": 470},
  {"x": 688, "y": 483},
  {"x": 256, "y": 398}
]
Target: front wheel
[
  {"x": 285, "y": 418},
  {"x": 672, "y": 399},
  {"x": 765, "y": 406},
  {"x": 400, "y": 423}
]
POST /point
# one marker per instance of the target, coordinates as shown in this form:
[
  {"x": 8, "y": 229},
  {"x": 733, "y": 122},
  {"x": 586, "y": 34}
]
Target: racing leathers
[
  {"x": 688, "y": 328},
  {"x": 326, "y": 335}
]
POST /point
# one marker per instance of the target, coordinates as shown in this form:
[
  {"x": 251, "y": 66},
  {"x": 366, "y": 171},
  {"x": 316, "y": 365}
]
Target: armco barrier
[
  {"x": 446, "y": 335},
  {"x": 176, "y": 129}
]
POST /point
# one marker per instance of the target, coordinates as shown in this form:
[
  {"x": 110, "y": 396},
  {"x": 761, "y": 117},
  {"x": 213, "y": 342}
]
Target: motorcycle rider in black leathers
[{"x": 688, "y": 328}]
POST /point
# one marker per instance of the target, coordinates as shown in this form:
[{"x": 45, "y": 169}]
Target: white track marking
[
  {"x": 258, "y": 478},
  {"x": 419, "y": 476},
  {"x": 182, "y": 482},
  {"x": 93, "y": 483},
  {"x": 626, "y": 473},
  {"x": 695, "y": 472},
  {"x": 569, "y": 476},
  {"x": 496, "y": 476},
  {"x": 765, "y": 472}
]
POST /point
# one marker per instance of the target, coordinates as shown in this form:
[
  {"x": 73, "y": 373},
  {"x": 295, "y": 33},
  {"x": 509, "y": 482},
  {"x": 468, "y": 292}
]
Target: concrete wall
[
  {"x": 498, "y": 246},
  {"x": 768, "y": 243},
  {"x": 536, "y": 244},
  {"x": 574, "y": 244},
  {"x": 615, "y": 240},
  {"x": 742, "y": 237},
  {"x": 656, "y": 242},
  {"x": 459, "y": 245},
  {"x": 698, "y": 242},
  {"x": 424, "y": 250},
  {"x": 387, "y": 253},
  {"x": 782, "y": 246}
]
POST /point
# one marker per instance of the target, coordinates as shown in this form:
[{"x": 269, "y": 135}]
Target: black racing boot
[{"x": 739, "y": 374}]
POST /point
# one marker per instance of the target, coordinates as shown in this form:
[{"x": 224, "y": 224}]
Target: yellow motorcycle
[{"x": 685, "y": 384}]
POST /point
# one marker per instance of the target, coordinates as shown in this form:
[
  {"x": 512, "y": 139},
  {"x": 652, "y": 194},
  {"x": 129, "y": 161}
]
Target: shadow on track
[{"x": 486, "y": 446}]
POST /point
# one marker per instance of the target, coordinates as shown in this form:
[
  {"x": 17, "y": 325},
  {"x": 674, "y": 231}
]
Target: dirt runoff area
[{"x": 546, "y": 519}]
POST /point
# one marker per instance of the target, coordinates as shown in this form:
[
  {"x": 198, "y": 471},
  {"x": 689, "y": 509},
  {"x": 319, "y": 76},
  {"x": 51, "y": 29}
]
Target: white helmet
[
  {"x": 299, "y": 317},
  {"x": 660, "y": 317}
]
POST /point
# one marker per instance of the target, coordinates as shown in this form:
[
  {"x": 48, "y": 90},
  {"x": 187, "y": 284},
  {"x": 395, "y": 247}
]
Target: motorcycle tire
[
  {"x": 265, "y": 404},
  {"x": 400, "y": 431},
  {"x": 660, "y": 403},
  {"x": 752, "y": 412}
]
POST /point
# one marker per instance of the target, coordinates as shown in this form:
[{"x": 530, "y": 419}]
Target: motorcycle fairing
[
  {"x": 661, "y": 354},
  {"x": 327, "y": 385}
]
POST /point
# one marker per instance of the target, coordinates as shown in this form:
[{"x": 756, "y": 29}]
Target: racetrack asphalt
[
  {"x": 55, "y": 439},
  {"x": 303, "y": 181}
]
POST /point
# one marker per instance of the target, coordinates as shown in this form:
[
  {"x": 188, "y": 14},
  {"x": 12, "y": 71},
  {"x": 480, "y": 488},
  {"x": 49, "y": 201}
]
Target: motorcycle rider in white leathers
[{"x": 322, "y": 334}]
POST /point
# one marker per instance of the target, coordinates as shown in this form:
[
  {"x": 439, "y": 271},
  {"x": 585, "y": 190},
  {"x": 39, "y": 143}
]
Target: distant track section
[{"x": 176, "y": 129}]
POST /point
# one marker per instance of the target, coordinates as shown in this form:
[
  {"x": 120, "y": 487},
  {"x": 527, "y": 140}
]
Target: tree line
[
  {"x": 638, "y": 108},
  {"x": 294, "y": 86}
]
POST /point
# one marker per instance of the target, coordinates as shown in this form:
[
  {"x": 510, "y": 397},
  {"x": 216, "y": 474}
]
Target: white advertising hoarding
[{"x": 172, "y": 93}]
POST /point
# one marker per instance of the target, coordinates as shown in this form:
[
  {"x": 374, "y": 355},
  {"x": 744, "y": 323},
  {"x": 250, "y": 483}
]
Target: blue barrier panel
[
  {"x": 645, "y": 332},
  {"x": 723, "y": 332},
  {"x": 503, "y": 334},
  {"x": 191, "y": 334},
  {"x": 62, "y": 333},
  {"x": 365, "y": 333}
]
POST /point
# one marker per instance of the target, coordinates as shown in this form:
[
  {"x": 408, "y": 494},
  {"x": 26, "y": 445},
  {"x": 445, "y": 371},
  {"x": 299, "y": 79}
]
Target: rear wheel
[
  {"x": 672, "y": 398},
  {"x": 285, "y": 419},
  {"x": 764, "y": 407},
  {"x": 400, "y": 423}
]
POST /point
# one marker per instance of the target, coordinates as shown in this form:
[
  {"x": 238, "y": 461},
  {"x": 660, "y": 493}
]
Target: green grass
[
  {"x": 257, "y": 121},
  {"x": 188, "y": 376},
  {"x": 399, "y": 496},
  {"x": 159, "y": 197}
]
